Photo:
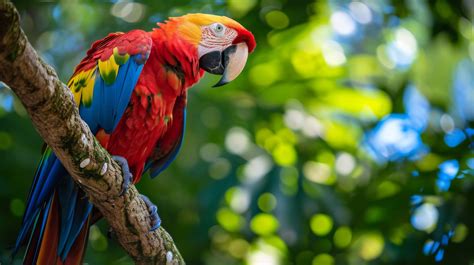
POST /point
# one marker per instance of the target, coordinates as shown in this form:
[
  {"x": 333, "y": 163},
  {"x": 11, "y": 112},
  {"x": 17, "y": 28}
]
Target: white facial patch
[{"x": 215, "y": 37}]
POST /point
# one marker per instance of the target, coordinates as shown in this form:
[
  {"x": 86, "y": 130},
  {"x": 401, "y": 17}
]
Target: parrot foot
[
  {"x": 127, "y": 175},
  {"x": 155, "y": 220}
]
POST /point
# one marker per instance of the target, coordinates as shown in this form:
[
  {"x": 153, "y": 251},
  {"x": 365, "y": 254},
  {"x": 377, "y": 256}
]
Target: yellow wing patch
[
  {"x": 120, "y": 59},
  {"x": 82, "y": 86},
  {"x": 108, "y": 69}
]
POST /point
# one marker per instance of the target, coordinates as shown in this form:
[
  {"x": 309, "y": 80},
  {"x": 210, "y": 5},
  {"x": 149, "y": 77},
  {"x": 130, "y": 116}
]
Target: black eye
[{"x": 218, "y": 28}]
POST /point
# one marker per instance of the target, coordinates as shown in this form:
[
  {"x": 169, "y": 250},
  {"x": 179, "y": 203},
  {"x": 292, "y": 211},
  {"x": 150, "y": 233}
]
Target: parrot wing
[
  {"x": 104, "y": 80},
  {"x": 167, "y": 148}
]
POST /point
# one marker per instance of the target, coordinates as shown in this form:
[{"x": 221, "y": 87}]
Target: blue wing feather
[{"x": 110, "y": 101}]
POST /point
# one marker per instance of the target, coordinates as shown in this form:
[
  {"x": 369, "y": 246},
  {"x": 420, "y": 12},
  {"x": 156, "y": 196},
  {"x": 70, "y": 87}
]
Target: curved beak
[{"x": 228, "y": 63}]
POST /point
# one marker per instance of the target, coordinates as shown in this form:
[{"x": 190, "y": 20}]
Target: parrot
[{"x": 131, "y": 90}]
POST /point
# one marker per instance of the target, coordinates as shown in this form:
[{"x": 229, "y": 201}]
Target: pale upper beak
[{"x": 228, "y": 63}]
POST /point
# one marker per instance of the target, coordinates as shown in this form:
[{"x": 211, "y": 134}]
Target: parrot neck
[{"x": 177, "y": 56}]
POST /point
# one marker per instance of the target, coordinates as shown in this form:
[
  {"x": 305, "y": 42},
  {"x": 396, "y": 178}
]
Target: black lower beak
[
  {"x": 229, "y": 63},
  {"x": 215, "y": 62}
]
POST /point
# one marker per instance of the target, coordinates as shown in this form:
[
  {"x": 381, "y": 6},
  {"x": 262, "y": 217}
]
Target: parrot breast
[{"x": 149, "y": 115}]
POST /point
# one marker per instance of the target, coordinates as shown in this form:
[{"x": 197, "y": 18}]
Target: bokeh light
[
  {"x": 425, "y": 217},
  {"x": 343, "y": 237},
  {"x": 370, "y": 246},
  {"x": 321, "y": 224}
]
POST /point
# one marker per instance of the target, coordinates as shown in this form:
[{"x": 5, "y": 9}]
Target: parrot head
[{"x": 222, "y": 44}]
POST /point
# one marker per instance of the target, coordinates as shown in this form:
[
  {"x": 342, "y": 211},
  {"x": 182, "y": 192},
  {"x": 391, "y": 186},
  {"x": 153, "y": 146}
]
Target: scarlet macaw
[{"x": 131, "y": 90}]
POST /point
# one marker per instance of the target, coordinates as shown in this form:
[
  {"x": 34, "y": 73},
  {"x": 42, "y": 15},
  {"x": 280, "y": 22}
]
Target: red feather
[
  {"x": 132, "y": 42},
  {"x": 166, "y": 76},
  {"x": 48, "y": 249}
]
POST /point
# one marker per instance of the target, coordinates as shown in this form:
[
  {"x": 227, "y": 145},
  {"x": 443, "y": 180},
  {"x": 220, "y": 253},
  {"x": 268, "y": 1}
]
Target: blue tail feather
[
  {"x": 67, "y": 201},
  {"x": 82, "y": 211},
  {"x": 74, "y": 209}
]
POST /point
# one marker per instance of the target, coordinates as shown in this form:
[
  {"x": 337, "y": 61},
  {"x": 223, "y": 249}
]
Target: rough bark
[{"x": 52, "y": 110}]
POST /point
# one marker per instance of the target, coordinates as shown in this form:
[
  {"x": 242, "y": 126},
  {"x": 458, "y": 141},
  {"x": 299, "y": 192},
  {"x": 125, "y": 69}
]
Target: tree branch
[{"x": 52, "y": 110}]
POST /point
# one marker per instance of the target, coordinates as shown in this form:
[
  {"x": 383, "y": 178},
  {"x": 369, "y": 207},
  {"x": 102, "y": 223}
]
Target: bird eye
[{"x": 218, "y": 28}]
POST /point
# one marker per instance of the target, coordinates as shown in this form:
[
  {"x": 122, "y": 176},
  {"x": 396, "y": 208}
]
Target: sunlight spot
[
  {"x": 312, "y": 127},
  {"x": 343, "y": 23},
  {"x": 333, "y": 53},
  {"x": 317, "y": 172},
  {"x": 360, "y": 12},
  {"x": 239, "y": 8},
  {"x": 321, "y": 224},
  {"x": 386, "y": 189},
  {"x": 294, "y": 119},
  {"x": 425, "y": 217},
  {"x": 285, "y": 154},
  {"x": 323, "y": 259},
  {"x": 264, "y": 74},
  {"x": 264, "y": 253},
  {"x": 371, "y": 246},
  {"x": 238, "y": 248},
  {"x": 343, "y": 237},
  {"x": 240, "y": 200},
  {"x": 403, "y": 49},
  {"x": 229, "y": 220},
  {"x": 345, "y": 163},
  {"x": 277, "y": 19},
  {"x": 257, "y": 168},
  {"x": 263, "y": 257},
  {"x": 237, "y": 140},
  {"x": 447, "y": 123},
  {"x": 128, "y": 11},
  {"x": 264, "y": 224},
  {"x": 383, "y": 57},
  {"x": 267, "y": 202}
]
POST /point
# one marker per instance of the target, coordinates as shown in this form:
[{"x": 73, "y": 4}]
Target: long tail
[{"x": 57, "y": 217}]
